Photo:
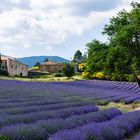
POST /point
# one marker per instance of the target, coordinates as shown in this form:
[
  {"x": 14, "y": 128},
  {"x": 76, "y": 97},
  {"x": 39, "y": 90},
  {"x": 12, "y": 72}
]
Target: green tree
[
  {"x": 84, "y": 58},
  {"x": 68, "y": 70},
  {"x": 124, "y": 35},
  {"x": 117, "y": 61},
  {"x": 46, "y": 60},
  {"x": 37, "y": 64},
  {"x": 97, "y": 53},
  {"x": 77, "y": 56}
]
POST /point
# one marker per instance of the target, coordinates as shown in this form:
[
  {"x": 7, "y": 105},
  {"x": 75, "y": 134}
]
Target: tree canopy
[
  {"x": 68, "y": 70},
  {"x": 77, "y": 56},
  {"x": 46, "y": 59},
  {"x": 37, "y": 64},
  {"x": 96, "y": 55},
  {"x": 121, "y": 55},
  {"x": 124, "y": 34}
]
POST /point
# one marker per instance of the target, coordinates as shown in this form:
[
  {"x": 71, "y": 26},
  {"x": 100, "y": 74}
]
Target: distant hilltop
[{"x": 32, "y": 60}]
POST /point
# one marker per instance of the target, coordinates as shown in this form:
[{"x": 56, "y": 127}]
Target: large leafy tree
[
  {"x": 117, "y": 61},
  {"x": 84, "y": 58},
  {"x": 121, "y": 55},
  {"x": 124, "y": 34},
  {"x": 97, "y": 53}
]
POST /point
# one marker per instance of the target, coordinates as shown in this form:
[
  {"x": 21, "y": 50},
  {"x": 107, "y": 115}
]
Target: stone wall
[
  {"x": 54, "y": 68},
  {"x": 51, "y": 68},
  {"x": 17, "y": 68},
  {"x": 13, "y": 67}
]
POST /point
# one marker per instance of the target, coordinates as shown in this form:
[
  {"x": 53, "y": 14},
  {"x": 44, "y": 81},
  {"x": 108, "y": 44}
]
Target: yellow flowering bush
[
  {"x": 138, "y": 77},
  {"x": 100, "y": 75},
  {"x": 81, "y": 67},
  {"x": 34, "y": 68}
]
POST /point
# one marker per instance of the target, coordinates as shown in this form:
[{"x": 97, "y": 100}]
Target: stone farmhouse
[
  {"x": 51, "y": 67},
  {"x": 13, "y": 67}
]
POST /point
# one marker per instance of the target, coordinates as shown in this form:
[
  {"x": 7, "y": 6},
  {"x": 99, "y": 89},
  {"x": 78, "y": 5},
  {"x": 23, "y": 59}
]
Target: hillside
[{"x": 30, "y": 61}]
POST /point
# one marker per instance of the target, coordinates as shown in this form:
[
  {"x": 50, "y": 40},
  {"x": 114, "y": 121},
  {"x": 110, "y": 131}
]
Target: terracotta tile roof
[{"x": 50, "y": 63}]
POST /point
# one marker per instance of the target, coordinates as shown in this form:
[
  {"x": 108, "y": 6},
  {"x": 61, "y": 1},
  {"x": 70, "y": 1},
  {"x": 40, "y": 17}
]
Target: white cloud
[
  {"x": 48, "y": 48},
  {"x": 32, "y": 23}
]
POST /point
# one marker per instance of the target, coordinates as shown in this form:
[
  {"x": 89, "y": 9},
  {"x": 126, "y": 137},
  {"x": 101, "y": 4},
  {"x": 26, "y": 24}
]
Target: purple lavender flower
[
  {"x": 137, "y": 137},
  {"x": 116, "y": 128}
]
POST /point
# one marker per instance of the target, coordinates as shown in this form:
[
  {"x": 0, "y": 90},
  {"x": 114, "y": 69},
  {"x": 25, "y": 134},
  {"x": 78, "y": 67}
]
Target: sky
[{"x": 54, "y": 27}]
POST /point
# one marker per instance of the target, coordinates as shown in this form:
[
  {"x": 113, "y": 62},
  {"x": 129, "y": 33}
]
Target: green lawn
[{"x": 48, "y": 78}]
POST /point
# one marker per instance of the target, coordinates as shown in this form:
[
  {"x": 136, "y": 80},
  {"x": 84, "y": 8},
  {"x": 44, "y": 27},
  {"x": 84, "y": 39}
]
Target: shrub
[
  {"x": 114, "y": 77},
  {"x": 138, "y": 77},
  {"x": 58, "y": 75},
  {"x": 81, "y": 67},
  {"x": 118, "y": 77},
  {"x": 4, "y": 73},
  {"x": 87, "y": 75},
  {"x": 99, "y": 75},
  {"x": 3, "y": 137},
  {"x": 35, "y": 68},
  {"x": 68, "y": 70},
  {"x": 131, "y": 78},
  {"x": 108, "y": 77}
]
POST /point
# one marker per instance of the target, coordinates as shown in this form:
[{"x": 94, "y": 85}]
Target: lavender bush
[
  {"x": 137, "y": 137},
  {"x": 36, "y": 111},
  {"x": 53, "y": 125},
  {"x": 117, "y": 128}
]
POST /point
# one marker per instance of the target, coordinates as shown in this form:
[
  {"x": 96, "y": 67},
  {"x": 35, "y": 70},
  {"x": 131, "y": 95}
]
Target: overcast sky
[{"x": 53, "y": 27}]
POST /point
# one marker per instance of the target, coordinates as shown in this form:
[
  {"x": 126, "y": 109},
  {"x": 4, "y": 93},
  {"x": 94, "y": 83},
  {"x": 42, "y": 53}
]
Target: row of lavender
[
  {"x": 52, "y": 114},
  {"x": 42, "y": 129},
  {"x": 40, "y": 111},
  {"x": 137, "y": 137},
  {"x": 118, "y": 128},
  {"x": 98, "y": 125},
  {"x": 79, "y": 90}
]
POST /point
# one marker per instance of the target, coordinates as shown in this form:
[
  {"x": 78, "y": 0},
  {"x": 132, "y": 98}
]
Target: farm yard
[{"x": 69, "y": 110}]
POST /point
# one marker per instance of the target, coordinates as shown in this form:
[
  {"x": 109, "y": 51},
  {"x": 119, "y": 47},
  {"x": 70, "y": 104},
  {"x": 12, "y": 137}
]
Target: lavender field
[{"x": 67, "y": 110}]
